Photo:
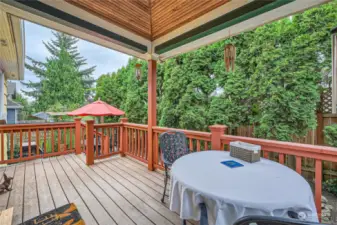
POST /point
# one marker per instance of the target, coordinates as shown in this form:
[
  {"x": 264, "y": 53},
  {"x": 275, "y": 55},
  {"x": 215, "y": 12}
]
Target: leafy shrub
[
  {"x": 331, "y": 186},
  {"x": 330, "y": 133}
]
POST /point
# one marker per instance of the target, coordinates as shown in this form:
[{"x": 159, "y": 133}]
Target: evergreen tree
[
  {"x": 275, "y": 86},
  {"x": 63, "y": 47}
]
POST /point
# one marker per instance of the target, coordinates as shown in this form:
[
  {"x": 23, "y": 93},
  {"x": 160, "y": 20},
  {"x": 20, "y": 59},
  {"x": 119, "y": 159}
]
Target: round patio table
[{"x": 261, "y": 188}]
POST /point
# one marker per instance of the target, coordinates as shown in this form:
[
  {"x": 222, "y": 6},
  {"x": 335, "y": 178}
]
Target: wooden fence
[{"x": 313, "y": 137}]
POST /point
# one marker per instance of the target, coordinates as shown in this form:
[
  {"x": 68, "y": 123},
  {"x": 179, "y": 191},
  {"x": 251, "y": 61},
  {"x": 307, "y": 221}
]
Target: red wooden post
[
  {"x": 90, "y": 142},
  {"x": 217, "y": 131},
  {"x": 152, "y": 109},
  {"x": 123, "y": 137},
  {"x": 78, "y": 136}
]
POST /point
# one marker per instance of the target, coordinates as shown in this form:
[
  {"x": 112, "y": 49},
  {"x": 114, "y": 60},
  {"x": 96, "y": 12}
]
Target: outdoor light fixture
[
  {"x": 138, "y": 71},
  {"x": 229, "y": 57}
]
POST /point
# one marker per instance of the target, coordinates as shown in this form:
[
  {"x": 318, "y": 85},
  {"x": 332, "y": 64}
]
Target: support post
[
  {"x": 216, "y": 132},
  {"x": 78, "y": 136},
  {"x": 152, "y": 109},
  {"x": 90, "y": 142},
  {"x": 123, "y": 137}
]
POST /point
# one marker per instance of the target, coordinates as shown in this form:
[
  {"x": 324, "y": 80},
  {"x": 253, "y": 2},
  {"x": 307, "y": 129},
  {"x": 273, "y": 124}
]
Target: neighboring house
[
  {"x": 12, "y": 54},
  {"x": 13, "y": 109},
  {"x": 42, "y": 116},
  {"x": 50, "y": 116}
]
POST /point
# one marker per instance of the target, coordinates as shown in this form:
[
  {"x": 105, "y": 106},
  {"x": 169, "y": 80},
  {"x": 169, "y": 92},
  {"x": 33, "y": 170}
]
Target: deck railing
[
  {"x": 136, "y": 141},
  {"x": 23, "y": 142},
  {"x": 26, "y": 142},
  {"x": 106, "y": 140}
]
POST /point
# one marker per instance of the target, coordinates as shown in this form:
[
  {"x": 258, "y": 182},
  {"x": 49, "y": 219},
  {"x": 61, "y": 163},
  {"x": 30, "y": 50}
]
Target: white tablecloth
[{"x": 261, "y": 188}]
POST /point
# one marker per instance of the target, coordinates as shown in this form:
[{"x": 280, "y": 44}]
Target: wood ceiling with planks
[{"x": 150, "y": 19}]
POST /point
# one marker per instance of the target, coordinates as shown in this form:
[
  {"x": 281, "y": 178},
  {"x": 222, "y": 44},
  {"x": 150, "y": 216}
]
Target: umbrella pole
[{"x": 102, "y": 119}]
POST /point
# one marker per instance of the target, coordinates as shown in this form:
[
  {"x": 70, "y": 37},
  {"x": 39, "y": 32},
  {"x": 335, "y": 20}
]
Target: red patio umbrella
[{"x": 97, "y": 108}]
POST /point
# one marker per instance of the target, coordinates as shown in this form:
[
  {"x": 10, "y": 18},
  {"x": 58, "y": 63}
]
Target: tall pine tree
[{"x": 62, "y": 78}]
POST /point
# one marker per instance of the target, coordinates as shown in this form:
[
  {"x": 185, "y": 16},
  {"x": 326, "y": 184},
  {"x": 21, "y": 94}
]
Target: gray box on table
[{"x": 245, "y": 151}]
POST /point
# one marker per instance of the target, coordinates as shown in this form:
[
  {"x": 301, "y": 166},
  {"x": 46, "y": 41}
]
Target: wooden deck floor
[{"x": 113, "y": 191}]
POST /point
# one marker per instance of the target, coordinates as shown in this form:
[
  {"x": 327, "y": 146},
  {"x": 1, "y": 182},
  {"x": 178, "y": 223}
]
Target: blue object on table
[{"x": 231, "y": 163}]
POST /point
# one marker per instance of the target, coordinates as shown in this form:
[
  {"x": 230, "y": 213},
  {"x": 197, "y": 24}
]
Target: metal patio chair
[{"x": 173, "y": 145}]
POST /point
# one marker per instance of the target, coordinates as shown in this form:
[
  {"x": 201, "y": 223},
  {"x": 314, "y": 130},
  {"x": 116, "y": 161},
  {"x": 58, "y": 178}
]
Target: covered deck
[{"x": 113, "y": 191}]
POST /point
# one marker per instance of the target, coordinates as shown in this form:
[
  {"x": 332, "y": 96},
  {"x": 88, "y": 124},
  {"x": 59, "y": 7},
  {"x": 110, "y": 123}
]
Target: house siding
[{"x": 3, "y": 107}]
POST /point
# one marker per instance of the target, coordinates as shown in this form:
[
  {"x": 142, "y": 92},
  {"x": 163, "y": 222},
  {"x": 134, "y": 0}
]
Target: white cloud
[{"x": 106, "y": 60}]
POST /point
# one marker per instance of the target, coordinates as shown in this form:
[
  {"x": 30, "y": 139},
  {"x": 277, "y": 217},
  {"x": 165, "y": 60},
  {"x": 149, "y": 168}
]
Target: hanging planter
[
  {"x": 229, "y": 57},
  {"x": 138, "y": 71}
]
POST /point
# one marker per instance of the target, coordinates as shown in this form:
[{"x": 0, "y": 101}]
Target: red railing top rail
[
  {"x": 135, "y": 126},
  {"x": 107, "y": 125},
  {"x": 296, "y": 149},
  {"x": 195, "y": 134},
  {"x": 23, "y": 127}
]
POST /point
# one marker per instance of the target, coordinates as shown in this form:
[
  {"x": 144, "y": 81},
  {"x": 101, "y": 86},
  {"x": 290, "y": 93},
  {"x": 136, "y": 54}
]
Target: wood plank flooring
[{"x": 113, "y": 191}]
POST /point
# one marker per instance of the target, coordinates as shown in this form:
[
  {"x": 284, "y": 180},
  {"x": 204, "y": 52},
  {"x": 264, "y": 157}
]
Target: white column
[{"x": 2, "y": 94}]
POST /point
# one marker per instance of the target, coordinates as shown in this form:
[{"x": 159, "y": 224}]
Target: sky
[{"x": 106, "y": 60}]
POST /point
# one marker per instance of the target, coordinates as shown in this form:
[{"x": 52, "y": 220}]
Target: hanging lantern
[
  {"x": 138, "y": 71},
  {"x": 229, "y": 57}
]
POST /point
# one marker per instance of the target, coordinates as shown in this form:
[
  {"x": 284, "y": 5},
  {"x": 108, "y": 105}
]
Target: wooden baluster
[
  {"x": 130, "y": 137},
  {"x": 20, "y": 144},
  {"x": 102, "y": 141},
  {"x": 198, "y": 145},
  {"x": 90, "y": 142},
  {"x": 44, "y": 141},
  {"x": 83, "y": 140},
  {"x": 138, "y": 143},
  {"x": 2, "y": 146},
  {"x": 265, "y": 154},
  {"x": 52, "y": 140},
  {"x": 110, "y": 138},
  {"x": 206, "y": 145},
  {"x": 133, "y": 142},
  {"x": 119, "y": 140},
  {"x": 37, "y": 138},
  {"x": 12, "y": 144},
  {"x": 113, "y": 140},
  {"x": 318, "y": 186},
  {"x": 142, "y": 144},
  {"x": 65, "y": 139},
  {"x": 223, "y": 146},
  {"x": 58, "y": 140},
  {"x": 96, "y": 138},
  {"x": 281, "y": 158},
  {"x": 29, "y": 143},
  {"x": 299, "y": 164},
  {"x": 157, "y": 160},
  {"x": 191, "y": 145},
  {"x": 71, "y": 139},
  {"x": 145, "y": 142}
]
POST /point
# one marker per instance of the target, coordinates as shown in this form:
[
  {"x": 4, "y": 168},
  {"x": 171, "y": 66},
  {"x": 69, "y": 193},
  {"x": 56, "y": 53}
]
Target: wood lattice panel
[{"x": 326, "y": 100}]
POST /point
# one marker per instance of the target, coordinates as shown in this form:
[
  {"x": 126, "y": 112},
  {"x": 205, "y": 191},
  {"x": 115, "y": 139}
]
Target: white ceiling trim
[{"x": 275, "y": 14}]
